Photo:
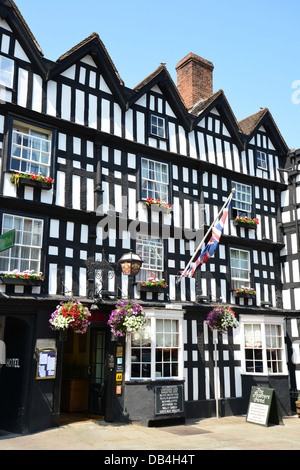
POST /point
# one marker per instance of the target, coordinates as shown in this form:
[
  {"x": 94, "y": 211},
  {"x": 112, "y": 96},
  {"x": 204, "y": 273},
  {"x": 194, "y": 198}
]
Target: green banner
[{"x": 7, "y": 240}]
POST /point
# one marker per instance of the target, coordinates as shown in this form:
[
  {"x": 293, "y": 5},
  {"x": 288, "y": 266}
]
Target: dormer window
[
  {"x": 157, "y": 126},
  {"x": 261, "y": 160},
  {"x": 6, "y": 72}
]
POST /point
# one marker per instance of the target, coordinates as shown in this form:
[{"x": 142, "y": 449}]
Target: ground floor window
[
  {"x": 156, "y": 351},
  {"x": 263, "y": 345}
]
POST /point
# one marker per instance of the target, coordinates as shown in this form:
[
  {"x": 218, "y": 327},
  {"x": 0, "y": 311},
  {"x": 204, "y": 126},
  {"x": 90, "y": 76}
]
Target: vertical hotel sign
[{"x": 7, "y": 240}]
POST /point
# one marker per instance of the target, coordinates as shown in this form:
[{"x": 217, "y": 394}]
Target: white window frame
[
  {"x": 152, "y": 180},
  {"x": 261, "y": 160},
  {"x": 29, "y": 151},
  {"x": 152, "y": 317},
  {"x": 155, "y": 246},
  {"x": 240, "y": 281},
  {"x": 25, "y": 241},
  {"x": 263, "y": 321},
  {"x": 6, "y": 72},
  {"x": 242, "y": 199},
  {"x": 157, "y": 126}
]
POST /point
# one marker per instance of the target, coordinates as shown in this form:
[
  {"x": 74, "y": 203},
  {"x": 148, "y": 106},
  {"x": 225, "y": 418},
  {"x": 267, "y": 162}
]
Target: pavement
[{"x": 226, "y": 433}]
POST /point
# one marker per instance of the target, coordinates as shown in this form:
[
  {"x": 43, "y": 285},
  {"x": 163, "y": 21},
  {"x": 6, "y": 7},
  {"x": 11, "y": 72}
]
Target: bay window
[
  {"x": 263, "y": 345},
  {"x": 155, "y": 352}
]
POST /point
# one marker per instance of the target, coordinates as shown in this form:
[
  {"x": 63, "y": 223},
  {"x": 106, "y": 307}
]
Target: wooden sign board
[
  {"x": 7, "y": 240},
  {"x": 263, "y": 407},
  {"x": 168, "y": 399}
]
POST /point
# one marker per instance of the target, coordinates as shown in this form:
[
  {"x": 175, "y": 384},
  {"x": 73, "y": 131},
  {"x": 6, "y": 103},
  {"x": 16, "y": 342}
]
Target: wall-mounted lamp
[{"x": 130, "y": 263}]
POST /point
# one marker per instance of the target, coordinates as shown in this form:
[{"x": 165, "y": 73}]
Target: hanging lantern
[{"x": 130, "y": 263}]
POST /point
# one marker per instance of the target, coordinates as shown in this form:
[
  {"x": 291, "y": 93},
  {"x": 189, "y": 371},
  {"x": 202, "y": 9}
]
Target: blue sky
[{"x": 254, "y": 45}]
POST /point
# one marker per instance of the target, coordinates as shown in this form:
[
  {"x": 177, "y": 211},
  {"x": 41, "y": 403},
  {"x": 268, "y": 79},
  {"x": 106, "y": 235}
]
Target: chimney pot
[{"x": 194, "y": 79}]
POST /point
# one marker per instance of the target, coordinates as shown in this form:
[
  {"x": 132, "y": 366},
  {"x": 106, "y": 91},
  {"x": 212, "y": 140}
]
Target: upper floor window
[
  {"x": 242, "y": 199},
  {"x": 6, "y": 72},
  {"x": 158, "y": 126},
  {"x": 261, "y": 160},
  {"x": 26, "y": 252},
  {"x": 263, "y": 345},
  {"x": 154, "y": 180},
  {"x": 240, "y": 268},
  {"x": 151, "y": 250},
  {"x": 31, "y": 149}
]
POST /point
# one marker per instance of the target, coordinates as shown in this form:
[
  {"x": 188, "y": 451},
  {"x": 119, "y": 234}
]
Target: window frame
[
  {"x": 165, "y": 127},
  {"x": 147, "y": 238},
  {"x": 23, "y": 245},
  {"x": 238, "y": 282},
  {"x": 236, "y": 210},
  {"x": 263, "y": 321},
  {"x": 32, "y": 126},
  {"x": 153, "y": 316},
  {"x": 9, "y": 85},
  {"x": 258, "y": 157},
  {"x": 168, "y": 184}
]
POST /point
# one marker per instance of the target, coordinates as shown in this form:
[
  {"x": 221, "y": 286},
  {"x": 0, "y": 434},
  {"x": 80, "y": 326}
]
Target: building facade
[{"x": 106, "y": 149}]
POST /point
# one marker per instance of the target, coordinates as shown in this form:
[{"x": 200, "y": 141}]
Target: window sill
[{"x": 157, "y": 208}]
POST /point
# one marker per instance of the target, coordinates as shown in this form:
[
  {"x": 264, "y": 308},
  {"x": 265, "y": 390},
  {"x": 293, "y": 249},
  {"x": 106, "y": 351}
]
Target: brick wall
[{"x": 194, "y": 79}]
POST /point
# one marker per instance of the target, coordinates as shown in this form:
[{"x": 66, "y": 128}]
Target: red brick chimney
[{"x": 194, "y": 79}]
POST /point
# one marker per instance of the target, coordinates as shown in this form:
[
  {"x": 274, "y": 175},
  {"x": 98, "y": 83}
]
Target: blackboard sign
[
  {"x": 263, "y": 407},
  {"x": 168, "y": 399},
  {"x": 46, "y": 363}
]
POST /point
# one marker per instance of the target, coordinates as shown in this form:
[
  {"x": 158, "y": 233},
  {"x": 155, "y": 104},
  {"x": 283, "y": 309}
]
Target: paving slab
[{"x": 228, "y": 433}]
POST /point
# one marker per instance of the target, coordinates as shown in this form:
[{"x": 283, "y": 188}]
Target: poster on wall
[{"x": 46, "y": 363}]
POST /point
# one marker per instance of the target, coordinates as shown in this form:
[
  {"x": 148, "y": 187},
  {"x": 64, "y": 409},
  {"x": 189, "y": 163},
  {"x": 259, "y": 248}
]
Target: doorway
[
  {"x": 83, "y": 385},
  {"x": 97, "y": 372}
]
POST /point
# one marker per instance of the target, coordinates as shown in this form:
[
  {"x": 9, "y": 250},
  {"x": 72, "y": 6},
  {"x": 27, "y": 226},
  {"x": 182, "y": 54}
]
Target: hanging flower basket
[
  {"x": 71, "y": 315},
  {"x": 127, "y": 317},
  {"x": 221, "y": 318},
  {"x": 32, "y": 179},
  {"x": 157, "y": 203}
]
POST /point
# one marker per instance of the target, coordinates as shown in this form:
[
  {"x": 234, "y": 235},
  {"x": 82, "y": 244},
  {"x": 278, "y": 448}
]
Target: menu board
[
  {"x": 46, "y": 363},
  {"x": 263, "y": 407},
  {"x": 168, "y": 399}
]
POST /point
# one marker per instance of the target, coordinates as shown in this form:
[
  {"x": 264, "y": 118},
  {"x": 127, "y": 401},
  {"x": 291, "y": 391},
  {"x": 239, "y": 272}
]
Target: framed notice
[
  {"x": 168, "y": 399},
  {"x": 46, "y": 363},
  {"x": 263, "y": 407}
]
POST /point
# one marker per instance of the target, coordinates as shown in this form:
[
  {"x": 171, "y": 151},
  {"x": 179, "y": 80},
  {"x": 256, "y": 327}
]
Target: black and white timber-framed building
[{"x": 108, "y": 148}]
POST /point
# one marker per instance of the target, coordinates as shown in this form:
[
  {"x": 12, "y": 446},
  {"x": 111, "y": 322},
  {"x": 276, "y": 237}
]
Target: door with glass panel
[{"x": 97, "y": 367}]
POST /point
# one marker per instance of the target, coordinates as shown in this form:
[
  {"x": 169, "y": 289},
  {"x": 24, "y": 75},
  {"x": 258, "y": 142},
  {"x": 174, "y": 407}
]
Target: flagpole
[{"x": 207, "y": 233}]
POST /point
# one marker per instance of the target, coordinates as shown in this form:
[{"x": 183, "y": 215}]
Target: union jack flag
[{"x": 211, "y": 247}]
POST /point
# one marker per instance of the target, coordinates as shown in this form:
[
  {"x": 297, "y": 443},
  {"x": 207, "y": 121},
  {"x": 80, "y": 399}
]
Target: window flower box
[
  {"x": 245, "y": 292},
  {"x": 24, "y": 278},
  {"x": 153, "y": 285},
  {"x": 158, "y": 205},
  {"x": 246, "y": 222},
  {"x": 33, "y": 180}
]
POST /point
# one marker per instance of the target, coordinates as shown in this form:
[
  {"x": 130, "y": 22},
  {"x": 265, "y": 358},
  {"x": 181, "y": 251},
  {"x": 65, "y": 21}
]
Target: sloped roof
[
  {"x": 26, "y": 26},
  {"x": 80, "y": 45},
  {"x": 250, "y": 125}
]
